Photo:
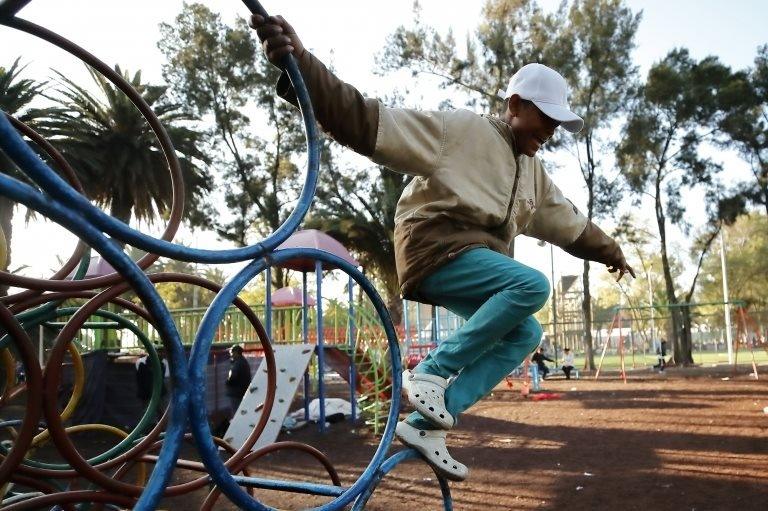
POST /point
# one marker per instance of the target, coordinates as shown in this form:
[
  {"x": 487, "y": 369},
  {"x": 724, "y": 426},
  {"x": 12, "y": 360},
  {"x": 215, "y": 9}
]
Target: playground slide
[{"x": 338, "y": 360}]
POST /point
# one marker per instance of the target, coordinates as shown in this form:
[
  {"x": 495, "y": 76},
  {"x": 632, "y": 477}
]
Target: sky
[{"x": 349, "y": 34}]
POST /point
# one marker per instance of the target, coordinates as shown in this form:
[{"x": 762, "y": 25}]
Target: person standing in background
[
  {"x": 538, "y": 358},
  {"x": 239, "y": 377},
  {"x": 661, "y": 352}
]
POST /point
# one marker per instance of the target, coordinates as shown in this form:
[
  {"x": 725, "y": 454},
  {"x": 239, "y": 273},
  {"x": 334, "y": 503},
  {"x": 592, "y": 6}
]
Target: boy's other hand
[
  {"x": 277, "y": 36},
  {"x": 621, "y": 266}
]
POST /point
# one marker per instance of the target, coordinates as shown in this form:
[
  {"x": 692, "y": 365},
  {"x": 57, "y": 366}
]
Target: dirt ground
[
  {"x": 694, "y": 439},
  {"x": 686, "y": 440}
]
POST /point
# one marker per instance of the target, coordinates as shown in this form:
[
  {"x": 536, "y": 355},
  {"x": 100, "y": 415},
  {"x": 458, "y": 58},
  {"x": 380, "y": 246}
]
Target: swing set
[{"x": 745, "y": 326}]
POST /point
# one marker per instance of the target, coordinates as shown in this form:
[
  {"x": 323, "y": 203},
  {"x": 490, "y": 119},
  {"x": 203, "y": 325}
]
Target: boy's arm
[
  {"x": 595, "y": 245},
  {"x": 558, "y": 221},
  {"x": 555, "y": 220},
  {"x": 406, "y": 141},
  {"x": 339, "y": 108},
  {"x": 403, "y": 140}
]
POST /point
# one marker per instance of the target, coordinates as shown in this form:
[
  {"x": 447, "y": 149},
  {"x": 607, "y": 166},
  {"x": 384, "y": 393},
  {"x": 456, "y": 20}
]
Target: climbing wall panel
[{"x": 291, "y": 361}]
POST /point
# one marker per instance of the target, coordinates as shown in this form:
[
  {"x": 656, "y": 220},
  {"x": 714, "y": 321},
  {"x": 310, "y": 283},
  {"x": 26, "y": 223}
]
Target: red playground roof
[
  {"x": 290, "y": 296},
  {"x": 312, "y": 238}
]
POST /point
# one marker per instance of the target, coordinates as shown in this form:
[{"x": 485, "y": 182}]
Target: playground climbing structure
[{"x": 28, "y": 483}]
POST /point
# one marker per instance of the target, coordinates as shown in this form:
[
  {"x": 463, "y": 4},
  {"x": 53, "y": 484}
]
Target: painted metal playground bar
[
  {"x": 363, "y": 330},
  {"x": 61, "y": 200}
]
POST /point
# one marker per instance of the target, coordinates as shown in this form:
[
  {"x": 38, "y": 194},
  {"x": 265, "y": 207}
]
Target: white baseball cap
[{"x": 547, "y": 89}]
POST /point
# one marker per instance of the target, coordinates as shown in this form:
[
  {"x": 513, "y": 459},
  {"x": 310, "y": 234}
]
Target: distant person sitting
[
  {"x": 567, "y": 363},
  {"x": 239, "y": 377},
  {"x": 539, "y": 357}
]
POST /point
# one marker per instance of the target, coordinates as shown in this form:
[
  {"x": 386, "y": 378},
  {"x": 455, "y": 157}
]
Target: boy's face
[{"x": 531, "y": 127}]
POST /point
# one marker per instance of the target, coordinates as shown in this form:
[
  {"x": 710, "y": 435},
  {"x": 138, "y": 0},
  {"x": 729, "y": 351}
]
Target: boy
[{"x": 477, "y": 184}]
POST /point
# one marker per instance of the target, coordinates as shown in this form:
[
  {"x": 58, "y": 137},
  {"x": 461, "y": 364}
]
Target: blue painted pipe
[
  {"x": 320, "y": 346},
  {"x": 290, "y": 486},
  {"x": 199, "y": 354},
  {"x": 9, "y": 8},
  {"x": 51, "y": 183},
  {"x": 268, "y": 304},
  {"x": 388, "y": 466},
  {"x": 352, "y": 349},
  {"x": 70, "y": 218},
  {"x": 305, "y": 339}
]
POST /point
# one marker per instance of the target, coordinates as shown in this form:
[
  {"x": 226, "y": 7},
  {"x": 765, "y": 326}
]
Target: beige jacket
[
  {"x": 470, "y": 182},
  {"x": 470, "y": 187}
]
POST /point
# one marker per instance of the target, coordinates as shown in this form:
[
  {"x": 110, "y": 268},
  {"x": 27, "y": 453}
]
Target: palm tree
[
  {"x": 117, "y": 156},
  {"x": 16, "y": 94}
]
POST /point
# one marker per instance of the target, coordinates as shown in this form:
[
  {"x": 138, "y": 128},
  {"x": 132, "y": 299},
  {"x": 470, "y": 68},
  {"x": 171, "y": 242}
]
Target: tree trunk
[
  {"x": 121, "y": 212},
  {"x": 586, "y": 304},
  {"x": 6, "y": 218},
  {"x": 687, "y": 330},
  {"x": 586, "y": 309},
  {"x": 280, "y": 277},
  {"x": 395, "y": 306},
  {"x": 680, "y": 355},
  {"x": 686, "y": 336},
  {"x": 674, "y": 312}
]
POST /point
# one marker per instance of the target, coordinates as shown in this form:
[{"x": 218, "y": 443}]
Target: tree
[
  {"x": 178, "y": 295},
  {"x": 676, "y": 110},
  {"x": 723, "y": 211},
  {"x": 747, "y": 263},
  {"x": 746, "y": 126},
  {"x": 702, "y": 243},
  {"x": 215, "y": 70},
  {"x": 635, "y": 235},
  {"x": 16, "y": 94},
  {"x": 511, "y": 34},
  {"x": 590, "y": 43},
  {"x": 594, "y": 53},
  {"x": 644, "y": 246},
  {"x": 116, "y": 155},
  {"x": 640, "y": 244}
]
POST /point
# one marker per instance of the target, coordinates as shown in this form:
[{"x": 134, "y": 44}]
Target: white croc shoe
[
  {"x": 426, "y": 392},
  {"x": 431, "y": 445}
]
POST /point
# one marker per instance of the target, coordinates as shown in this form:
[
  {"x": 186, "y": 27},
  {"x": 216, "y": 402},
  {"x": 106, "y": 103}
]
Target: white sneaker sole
[{"x": 431, "y": 445}]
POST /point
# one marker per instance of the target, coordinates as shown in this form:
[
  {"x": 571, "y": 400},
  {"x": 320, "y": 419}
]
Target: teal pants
[{"x": 497, "y": 296}]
